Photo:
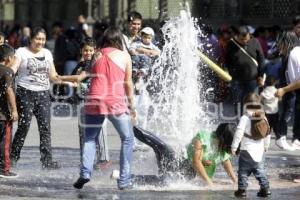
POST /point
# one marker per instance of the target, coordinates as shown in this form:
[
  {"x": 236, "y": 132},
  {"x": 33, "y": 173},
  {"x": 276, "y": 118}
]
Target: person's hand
[
  {"x": 14, "y": 116},
  {"x": 234, "y": 181},
  {"x": 133, "y": 115},
  {"x": 233, "y": 152},
  {"x": 206, "y": 163},
  {"x": 210, "y": 183},
  {"x": 280, "y": 92},
  {"x": 260, "y": 81}
]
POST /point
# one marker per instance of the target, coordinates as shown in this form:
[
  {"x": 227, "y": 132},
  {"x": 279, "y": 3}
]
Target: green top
[{"x": 210, "y": 151}]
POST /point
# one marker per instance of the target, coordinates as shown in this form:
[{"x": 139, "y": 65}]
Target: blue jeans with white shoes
[{"x": 93, "y": 126}]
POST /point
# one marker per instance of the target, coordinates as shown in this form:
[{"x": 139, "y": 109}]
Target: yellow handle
[{"x": 221, "y": 73}]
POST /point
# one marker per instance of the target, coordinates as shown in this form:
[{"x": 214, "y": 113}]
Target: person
[
  {"x": 8, "y": 108},
  {"x": 270, "y": 105},
  {"x": 288, "y": 45},
  {"x": 296, "y": 23},
  {"x": 251, "y": 155},
  {"x": 134, "y": 25},
  {"x": 111, "y": 86},
  {"x": 82, "y": 27},
  {"x": 2, "y": 38},
  {"x": 81, "y": 74},
  {"x": 35, "y": 68},
  {"x": 244, "y": 60},
  {"x": 144, "y": 51},
  {"x": 204, "y": 153}
]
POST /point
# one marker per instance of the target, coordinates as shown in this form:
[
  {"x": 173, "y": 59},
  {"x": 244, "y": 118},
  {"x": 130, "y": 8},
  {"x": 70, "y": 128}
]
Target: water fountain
[{"x": 177, "y": 98}]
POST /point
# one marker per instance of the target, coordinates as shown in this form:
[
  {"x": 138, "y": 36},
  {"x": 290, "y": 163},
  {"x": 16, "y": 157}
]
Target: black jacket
[{"x": 239, "y": 65}]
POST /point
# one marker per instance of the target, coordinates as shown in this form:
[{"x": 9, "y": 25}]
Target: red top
[{"x": 106, "y": 94}]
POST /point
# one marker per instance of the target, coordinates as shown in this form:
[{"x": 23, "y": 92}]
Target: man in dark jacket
[{"x": 244, "y": 60}]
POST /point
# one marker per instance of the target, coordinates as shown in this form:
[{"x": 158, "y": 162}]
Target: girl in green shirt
[{"x": 205, "y": 152}]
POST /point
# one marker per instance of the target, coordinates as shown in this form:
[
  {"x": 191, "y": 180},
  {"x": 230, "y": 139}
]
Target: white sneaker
[
  {"x": 296, "y": 144},
  {"x": 282, "y": 143}
]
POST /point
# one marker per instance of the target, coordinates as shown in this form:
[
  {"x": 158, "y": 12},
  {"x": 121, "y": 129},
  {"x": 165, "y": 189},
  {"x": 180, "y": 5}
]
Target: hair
[
  {"x": 5, "y": 52},
  {"x": 58, "y": 24},
  {"x": 270, "y": 80},
  {"x": 252, "y": 101},
  {"x": 288, "y": 38},
  {"x": 36, "y": 31},
  {"x": 88, "y": 41},
  {"x": 112, "y": 37},
  {"x": 134, "y": 15},
  {"x": 225, "y": 133},
  {"x": 296, "y": 20}
]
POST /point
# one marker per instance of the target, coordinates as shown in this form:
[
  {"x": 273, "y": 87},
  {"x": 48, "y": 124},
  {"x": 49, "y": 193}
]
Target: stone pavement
[{"x": 35, "y": 183}]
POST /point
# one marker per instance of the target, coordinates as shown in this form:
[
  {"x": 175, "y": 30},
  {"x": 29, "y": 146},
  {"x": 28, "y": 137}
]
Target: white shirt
[
  {"x": 269, "y": 101},
  {"x": 293, "y": 69},
  {"x": 34, "y": 69},
  {"x": 255, "y": 148}
]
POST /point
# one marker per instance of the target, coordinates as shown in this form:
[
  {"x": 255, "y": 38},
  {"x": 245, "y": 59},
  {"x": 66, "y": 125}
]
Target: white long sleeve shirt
[
  {"x": 255, "y": 148},
  {"x": 293, "y": 69}
]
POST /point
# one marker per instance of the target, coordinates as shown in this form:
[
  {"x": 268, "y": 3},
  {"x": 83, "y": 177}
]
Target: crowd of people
[{"x": 106, "y": 72}]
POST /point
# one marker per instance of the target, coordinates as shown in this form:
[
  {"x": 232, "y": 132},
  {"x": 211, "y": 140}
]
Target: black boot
[
  {"x": 80, "y": 182},
  {"x": 240, "y": 193},
  {"x": 264, "y": 192}
]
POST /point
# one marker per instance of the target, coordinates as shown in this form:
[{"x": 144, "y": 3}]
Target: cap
[
  {"x": 243, "y": 30},
  {"x": 148, "y": 31}
]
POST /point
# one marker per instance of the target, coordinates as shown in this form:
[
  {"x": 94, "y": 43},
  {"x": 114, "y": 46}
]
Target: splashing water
[{"x": 176, "y": 99}]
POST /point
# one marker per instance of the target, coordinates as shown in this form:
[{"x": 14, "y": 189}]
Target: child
[
  {"x": 143, "y": 52},
  {"x": 8, "y": 108},
  {"x": 81, "y": 75},
  {"x": 251, "y": 156},
  {"x": 270, "y": 103}
]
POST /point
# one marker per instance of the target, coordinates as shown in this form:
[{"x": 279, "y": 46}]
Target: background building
[{"x": 216, "y": 12}]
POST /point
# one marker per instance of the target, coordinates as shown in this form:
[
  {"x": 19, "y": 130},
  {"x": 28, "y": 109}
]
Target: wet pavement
[{"x": 35, "y": 183}]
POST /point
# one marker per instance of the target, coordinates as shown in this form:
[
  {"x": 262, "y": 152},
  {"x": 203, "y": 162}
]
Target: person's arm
[
  {"x": 290, "y": 87},
  {"x": 74, "y": 78},
  {"x": 267, "y": 141},
  {"x": 260, "y": 60},
  {"x": 197, "y": 161},
  {"x": 229, "y": 169},
  {"x": 148, "y": 52},
  {"x": 16, "y": 64},
  {"x": 239, "y": 134},
  {"x": 129, "y": 86},
  {"x": 11, "y": 99},
  {"x": 55, "y": 78}
]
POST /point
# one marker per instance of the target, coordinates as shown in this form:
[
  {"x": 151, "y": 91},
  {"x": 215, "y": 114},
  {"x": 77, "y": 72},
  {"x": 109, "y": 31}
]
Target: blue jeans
[
  {"x": 247, "y": 166},
  {"x": 93, "y": 126},
  {"x": 286, "y": 111}
]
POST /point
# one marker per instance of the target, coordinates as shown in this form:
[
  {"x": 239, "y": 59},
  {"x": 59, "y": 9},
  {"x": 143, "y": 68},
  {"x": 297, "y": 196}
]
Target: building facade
[{"x": 45, "y": 12}]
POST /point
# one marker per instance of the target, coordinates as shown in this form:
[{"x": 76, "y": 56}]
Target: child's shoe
[
  {"x": 240, "y": 193},
  {"x": 7, "y": 174},
  {"x": 264, "y": 192}
]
